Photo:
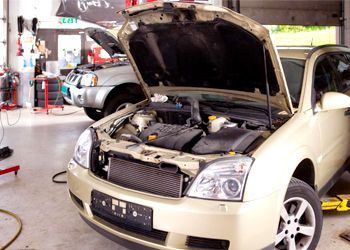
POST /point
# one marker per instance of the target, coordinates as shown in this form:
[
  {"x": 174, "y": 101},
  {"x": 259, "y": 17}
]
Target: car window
[
  {"x": 342, "y": 66},
  {"x": 294, "y": 72},
  {"x": 325, "y": 79}
]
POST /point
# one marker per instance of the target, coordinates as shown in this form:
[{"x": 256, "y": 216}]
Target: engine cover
[
  {"x": 226, "y": 140},
  {"x": 170, "y": 136}
]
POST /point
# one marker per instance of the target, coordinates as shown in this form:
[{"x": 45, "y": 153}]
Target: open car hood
[
  {"x": 203, "y": 48},
  {"x": 106, "y": 40}
]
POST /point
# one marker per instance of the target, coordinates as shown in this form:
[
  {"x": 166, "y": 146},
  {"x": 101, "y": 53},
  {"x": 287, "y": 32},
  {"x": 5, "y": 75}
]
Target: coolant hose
[{"x": 195, "y": 114}]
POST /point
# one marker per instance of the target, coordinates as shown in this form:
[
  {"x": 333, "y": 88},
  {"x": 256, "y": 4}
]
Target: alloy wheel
[{"x": 297, "y": 225}]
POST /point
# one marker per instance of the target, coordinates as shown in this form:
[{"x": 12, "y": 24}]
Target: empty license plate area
[{"x": 121, "y": 211}]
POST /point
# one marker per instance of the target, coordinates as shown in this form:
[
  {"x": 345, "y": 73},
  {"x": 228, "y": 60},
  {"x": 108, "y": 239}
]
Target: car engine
[{"x": 184, "y": 126}]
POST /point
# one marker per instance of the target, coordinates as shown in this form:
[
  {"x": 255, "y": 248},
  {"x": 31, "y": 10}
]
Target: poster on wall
[{"x": 102, "y": 12}]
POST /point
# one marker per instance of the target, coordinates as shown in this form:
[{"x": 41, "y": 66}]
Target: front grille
[
  {"x": 207, "y": 243},
  {"x": 73, "y": 79},
  {"x": 153, "y": 234},
  {"x": 145, "y": 178}
]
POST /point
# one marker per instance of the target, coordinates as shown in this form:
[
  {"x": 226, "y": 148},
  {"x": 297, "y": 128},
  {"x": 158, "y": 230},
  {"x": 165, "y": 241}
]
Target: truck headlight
[
  {"x": 222, "y": 179},
  {"x": 89, "y": 80},
  {"x": 82, "y": 151}
]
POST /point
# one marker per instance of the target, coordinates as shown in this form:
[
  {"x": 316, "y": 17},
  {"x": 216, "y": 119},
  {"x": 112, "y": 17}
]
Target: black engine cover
[
  {"x": 169, "y": 136},
  {"x": 227, "y": 139}
]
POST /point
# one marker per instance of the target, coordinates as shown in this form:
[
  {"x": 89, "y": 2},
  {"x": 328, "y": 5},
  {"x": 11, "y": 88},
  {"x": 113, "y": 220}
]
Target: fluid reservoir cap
[
  {"x": 212, "y": 117},
  {"x": 152, "y": 137},
  {"x": 232, "y": 153}
]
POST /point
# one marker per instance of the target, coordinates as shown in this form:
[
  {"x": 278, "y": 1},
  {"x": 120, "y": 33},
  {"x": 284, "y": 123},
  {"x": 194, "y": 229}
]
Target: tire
[
  {"x": 41, "y": 103},
  {"x": 51, "y": 95},
  {"x": 300, "y": 222},
  {"x": 93, "y": 114},
  {"x": 51, "y": 87},
  {"x": 122, "y": 98}
]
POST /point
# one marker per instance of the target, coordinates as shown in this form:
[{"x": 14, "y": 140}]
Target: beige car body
[{"x": 306, "y": 139}]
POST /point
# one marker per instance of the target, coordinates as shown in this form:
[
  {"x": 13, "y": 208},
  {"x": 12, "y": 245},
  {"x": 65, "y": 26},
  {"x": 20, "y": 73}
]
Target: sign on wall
[{"x": 101, "y": 12}]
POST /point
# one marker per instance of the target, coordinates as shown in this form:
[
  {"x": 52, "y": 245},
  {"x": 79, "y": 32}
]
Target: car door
[{"x": 333, "y": 125}]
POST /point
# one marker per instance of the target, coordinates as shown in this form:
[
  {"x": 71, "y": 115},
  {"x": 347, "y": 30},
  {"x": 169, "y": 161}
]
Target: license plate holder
[
  {"x": 64, "y": 90},
  {"x": 122, "y": 211}
]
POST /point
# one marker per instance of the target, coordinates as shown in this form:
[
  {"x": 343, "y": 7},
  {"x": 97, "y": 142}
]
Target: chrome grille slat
[{"x": 144, "y": 178}]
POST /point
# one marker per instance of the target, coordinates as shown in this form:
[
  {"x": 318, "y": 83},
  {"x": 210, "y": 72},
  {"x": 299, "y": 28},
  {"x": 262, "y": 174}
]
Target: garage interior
[{"x": 43, "y": 142}]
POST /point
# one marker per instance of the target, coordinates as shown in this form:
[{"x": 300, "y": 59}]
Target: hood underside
[
  {"x": 105, "y": 40},
  {"x": 186, "y": 45},
  {"x": 213, "y": 54}
]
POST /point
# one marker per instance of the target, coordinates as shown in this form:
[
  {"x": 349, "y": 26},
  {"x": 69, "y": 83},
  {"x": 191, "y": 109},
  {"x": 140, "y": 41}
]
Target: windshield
[{"x": 294, "y": 72}]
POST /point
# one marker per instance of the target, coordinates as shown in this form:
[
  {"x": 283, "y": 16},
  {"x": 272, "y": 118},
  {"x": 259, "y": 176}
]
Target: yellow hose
[{"x": 18, "y": 231}]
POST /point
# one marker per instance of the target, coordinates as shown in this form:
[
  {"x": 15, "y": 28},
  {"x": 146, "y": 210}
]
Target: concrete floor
[{"x": 43, "y": 144}]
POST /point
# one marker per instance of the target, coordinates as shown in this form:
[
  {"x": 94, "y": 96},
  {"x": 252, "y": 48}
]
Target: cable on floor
[
  {"x": 8, "y": 123},
  {"x": 58, "y": 114},
  {"x": 58, "y": 174},
  {"x": 16, "y": 217},
  {"x": 8, "y": 120}
]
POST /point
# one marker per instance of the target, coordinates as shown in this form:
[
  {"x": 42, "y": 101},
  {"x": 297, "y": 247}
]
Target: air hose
[{"x": 18, "y": 230}]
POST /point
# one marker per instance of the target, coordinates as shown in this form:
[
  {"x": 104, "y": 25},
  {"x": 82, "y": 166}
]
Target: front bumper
[
  {"x": 246, "y": 225},
  {"x": 81, "y": 97}
]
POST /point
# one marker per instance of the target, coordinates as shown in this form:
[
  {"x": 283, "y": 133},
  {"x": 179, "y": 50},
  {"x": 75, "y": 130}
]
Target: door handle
[{"x": 347, "y": 112}]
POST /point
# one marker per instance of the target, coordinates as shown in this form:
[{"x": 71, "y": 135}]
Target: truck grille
[
  {"x": 145, "y": 178},
  {"x": 73, "y": 79}
]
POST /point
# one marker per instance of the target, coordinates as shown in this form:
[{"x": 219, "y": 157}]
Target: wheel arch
[
  {"x": 305, "y": 171},
  {"x": 130, "y": 87}
]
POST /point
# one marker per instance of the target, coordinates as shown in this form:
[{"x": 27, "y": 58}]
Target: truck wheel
[
  {"x": 117, "y": 101},
  {"x": 301, "y": 218},
  {"x": 94, "y": 114}
]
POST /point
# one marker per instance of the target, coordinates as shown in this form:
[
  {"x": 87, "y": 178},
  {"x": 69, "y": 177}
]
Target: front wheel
[
  {"x": 94, "y": 114},
  {"x": 300, "y": 222},
  {"x": 119, "y": 101}
]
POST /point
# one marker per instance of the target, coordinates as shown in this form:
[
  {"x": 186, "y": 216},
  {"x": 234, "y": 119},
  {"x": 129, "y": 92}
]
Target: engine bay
[{"x": 187, "y": 125}]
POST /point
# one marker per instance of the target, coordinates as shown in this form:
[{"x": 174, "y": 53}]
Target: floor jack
[
  {"x": 9, "y": 170},
  {"x": 339, "y": 203}
]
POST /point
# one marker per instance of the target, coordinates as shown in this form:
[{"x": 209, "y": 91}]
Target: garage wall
[
  {"x": 347, "y": 22},
  {"x": 45, "y": 11},
  {"x": 292, "y": 12}
]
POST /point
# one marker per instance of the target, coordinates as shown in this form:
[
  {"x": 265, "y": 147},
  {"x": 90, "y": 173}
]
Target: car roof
[{"x": 294, "y": 52}]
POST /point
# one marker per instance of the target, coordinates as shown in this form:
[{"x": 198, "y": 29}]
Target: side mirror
[{"x": 334, "y": 100}]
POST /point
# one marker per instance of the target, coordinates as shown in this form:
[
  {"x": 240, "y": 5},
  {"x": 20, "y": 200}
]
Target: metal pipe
[
  {"x": 238, "y": 6},
  {"x": 6, "y": 38}
]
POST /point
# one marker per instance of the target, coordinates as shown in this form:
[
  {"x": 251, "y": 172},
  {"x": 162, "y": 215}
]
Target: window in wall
[{"x": 69, "y": 51}]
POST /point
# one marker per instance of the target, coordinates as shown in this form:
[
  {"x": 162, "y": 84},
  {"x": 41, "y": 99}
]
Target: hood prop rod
[{"x": 267, "y": 89}]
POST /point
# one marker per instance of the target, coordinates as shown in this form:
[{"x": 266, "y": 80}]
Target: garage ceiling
[{"x": 312, "y": 12}]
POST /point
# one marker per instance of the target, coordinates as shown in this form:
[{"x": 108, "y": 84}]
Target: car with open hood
[
  {"x": 232, "y": 151},
  {"x": 101, "y": 88}
]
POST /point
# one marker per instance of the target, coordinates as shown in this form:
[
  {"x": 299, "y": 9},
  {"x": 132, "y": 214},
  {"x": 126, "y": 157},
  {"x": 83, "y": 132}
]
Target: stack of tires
[
  {"x": 5, "y": 90},
  {"x": 54, "y": 96}
]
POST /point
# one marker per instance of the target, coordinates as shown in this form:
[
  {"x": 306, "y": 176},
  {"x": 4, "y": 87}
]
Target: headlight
[
  {"x": 82, "y": 149},
  {"x": 222, "y": 179},
  {"x": 89, "y": 80}
]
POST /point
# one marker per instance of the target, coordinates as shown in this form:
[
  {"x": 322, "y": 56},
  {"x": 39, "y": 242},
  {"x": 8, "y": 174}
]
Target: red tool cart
[{"x": 45, "y": 82}]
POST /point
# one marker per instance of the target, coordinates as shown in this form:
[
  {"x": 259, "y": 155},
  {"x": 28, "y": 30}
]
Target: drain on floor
[{"x": 345, "y": 235}]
